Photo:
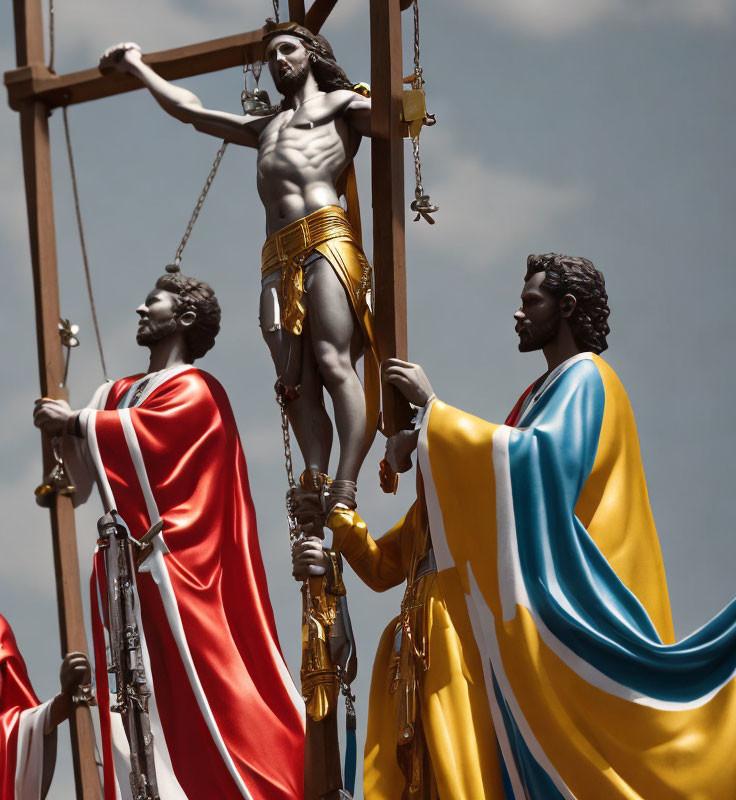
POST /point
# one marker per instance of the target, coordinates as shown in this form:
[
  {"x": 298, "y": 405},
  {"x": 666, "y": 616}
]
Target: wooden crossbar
[{"x": 34, "y": 81}]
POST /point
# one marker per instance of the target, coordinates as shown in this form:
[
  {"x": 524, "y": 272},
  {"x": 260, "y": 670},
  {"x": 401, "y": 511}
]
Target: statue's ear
[
  {"x": 567, "y": 305},
  {"x": 187, "y": 318}
]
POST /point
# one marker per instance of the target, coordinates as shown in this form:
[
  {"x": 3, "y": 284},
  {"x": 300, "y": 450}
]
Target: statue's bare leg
[
  {"x": 337, "y": 342},
  {"x": 295, "y": 366}
]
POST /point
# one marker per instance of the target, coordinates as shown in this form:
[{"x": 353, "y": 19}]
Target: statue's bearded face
[
  {"x": 538, "y": 318},
  {"x": 288, "y": 61},
  {"x": 158, "y": 317}
]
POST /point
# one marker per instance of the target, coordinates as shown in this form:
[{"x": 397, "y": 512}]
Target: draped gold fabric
[
  {"x": 455, "y": 750},
  {"x": 329, "y": 232}
]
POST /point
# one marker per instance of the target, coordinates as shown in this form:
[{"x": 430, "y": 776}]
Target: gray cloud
[{"x": 551, "y": 20}]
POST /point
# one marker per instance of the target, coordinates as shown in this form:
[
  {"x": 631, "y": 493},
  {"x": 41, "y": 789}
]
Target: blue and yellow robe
[
  {"x": 547, "y": 550},
  {"x": 553, "y": 672}
]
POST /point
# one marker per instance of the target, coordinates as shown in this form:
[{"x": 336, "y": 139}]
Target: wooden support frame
[
  {"x": 34, "y": 81},
  {"x": 387, "y": 169},
  {"x": 39, "y": 198},
  {"x": 34, "y": 91}
]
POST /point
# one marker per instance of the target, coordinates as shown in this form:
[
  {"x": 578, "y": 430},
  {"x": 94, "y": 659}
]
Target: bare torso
[{"x": 301, "y": 155}]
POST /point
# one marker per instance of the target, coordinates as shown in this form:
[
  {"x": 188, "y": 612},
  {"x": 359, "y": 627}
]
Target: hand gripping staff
[{"x": 125, "y": 659}]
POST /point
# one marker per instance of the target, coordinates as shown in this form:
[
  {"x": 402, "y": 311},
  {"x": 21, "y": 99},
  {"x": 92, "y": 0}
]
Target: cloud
[
  {"x": 486, "y": 210},
  {"x": 551, "y": 20}
]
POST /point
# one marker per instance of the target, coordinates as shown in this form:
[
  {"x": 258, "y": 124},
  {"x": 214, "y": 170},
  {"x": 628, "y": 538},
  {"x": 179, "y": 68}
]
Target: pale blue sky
[{"x": 601, "y": 128}]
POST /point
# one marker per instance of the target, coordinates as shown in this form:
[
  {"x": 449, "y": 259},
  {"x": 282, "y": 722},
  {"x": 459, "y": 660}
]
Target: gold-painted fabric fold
[{"x": 329, "y": 232}]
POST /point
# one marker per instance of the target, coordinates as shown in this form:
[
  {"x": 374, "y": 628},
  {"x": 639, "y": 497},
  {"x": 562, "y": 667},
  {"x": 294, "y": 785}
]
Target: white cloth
[{"x": 31, "y": 743}]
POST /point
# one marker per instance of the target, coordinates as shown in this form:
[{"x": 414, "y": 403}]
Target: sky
[{"x": 601, "y": 128}]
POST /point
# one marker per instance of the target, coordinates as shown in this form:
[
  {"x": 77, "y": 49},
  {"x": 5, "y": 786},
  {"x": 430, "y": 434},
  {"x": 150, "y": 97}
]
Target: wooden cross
[{"x": 33, "y": 91}]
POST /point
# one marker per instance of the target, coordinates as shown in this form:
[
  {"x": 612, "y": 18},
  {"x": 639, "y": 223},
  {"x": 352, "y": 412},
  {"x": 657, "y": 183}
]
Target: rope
[
  {"x": 80, "y": 228},
  {"x": 51, "y": 36}
]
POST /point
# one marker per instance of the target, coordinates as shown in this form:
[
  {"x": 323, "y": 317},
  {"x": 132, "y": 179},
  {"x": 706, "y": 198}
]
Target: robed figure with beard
[
  {"x": 163, "y": 447},
  {"x": 533, "y": 657},
  {"x": 316, "y": 283}
]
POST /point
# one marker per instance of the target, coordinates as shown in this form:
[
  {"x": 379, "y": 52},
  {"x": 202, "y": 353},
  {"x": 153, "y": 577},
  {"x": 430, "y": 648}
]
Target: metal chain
[
  {"x": 417, "y": 67},
  {"x": 421, "y": 204},
  {"x": 276, "y": 10},
  {"x": 419, "y": 190},
  {"x": 82, "y": 243},
  {"x": 294, "y": 535},
  {"x": 200, "y": 203},
  {"x": 289, "y": 465},
  {"x": 51, "y": 36},
  {"x": 287, "y": 441}
]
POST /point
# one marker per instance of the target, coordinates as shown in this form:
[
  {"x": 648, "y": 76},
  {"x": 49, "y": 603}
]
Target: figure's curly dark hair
[
  {"x": 578, "y": 277},
  {"x": 198, "y": 296},
  {"x": 327, "y": 72}
]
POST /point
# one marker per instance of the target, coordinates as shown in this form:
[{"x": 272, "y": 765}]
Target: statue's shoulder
[
  {"x": 341, "y": 98},
  {"x": 207, "y": 382}
]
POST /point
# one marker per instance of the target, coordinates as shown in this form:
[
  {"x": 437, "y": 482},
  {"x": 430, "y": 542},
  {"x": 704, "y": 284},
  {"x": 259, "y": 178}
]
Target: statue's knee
[{"x": 334, "y": 369}]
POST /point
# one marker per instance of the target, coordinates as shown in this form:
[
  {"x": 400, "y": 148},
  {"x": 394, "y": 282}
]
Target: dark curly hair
[
  {"x": 327, "y": 72},
  {"x": 578, "y": 277},
  {"x": 198, "y": 296}
]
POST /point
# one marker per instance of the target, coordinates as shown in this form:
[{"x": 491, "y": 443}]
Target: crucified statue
[{"x": 315, "y": 312}]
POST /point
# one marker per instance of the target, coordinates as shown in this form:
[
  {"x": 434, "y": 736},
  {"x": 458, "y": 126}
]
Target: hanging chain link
[
  {"x": 288, "y": 462},
  {"x": 200, "y": 203},
  {"x": 421, "y": 204},
  {"x": 85, "y": 261},
  {"x": 276, "y": 10},
  {"x": 417, "y": 67},
  {"x": 294, "y": 534}
]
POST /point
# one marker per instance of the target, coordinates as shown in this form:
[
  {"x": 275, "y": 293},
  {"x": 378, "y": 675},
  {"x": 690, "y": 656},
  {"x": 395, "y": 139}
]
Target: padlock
[{"x": 413, "y": 110}]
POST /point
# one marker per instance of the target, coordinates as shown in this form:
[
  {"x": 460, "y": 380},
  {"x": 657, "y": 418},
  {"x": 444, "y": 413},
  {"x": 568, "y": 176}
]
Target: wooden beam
[
  {"x": 296, "y": 11},
  {"x": 91, "y": 84},
  {"x": 37, "y": 171},
  {"x": 387, "y": 159},
  {"x": 318, "y": 13},
  {"x": 34, "y": 81}
]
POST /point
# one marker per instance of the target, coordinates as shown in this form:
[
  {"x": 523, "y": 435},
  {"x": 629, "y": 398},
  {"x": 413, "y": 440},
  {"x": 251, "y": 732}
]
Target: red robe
[
  {"x": 22, "y": 719},
  {"x": 226, "y": 717}
]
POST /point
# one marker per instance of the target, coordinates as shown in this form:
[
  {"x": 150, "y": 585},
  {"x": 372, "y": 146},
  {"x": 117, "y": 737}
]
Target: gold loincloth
[{"x": 327, "y": 231}]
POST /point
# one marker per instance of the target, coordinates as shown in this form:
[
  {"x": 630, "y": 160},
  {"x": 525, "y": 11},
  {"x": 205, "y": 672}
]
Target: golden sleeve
[{"x": 378, "y": 563}]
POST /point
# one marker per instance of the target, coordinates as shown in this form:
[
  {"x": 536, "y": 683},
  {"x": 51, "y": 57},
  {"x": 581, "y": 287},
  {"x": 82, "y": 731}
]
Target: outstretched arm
[
  {"x": 181, "y": 103},
  {"x": 377, "y": 562}
]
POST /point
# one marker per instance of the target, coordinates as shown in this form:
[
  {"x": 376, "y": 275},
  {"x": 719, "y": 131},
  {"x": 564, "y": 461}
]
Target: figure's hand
[
  {"x": 53, "y": 417},
  {"x": 75, "y": 670},
  {"x": 306, "y": 505},
  {"x": 308, "y": 558},
  {"x": 120, "y": 57},
  {"x": 399, "y": 448},
  {"x": 409, "y": 379}
]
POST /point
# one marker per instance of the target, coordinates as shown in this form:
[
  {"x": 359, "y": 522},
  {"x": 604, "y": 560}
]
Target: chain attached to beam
[
  {"x": 414, "y": 113},
  {"x": 197, "y": 208},
  {"x": 255, "y": 101}
]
